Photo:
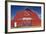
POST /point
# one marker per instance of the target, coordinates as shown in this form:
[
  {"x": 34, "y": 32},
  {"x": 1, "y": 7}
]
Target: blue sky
[{"x": 15, "y": 8}]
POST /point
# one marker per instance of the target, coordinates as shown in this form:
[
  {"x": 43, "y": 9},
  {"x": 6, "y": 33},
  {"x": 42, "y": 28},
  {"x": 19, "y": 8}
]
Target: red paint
[{"x": 34, "y": 22}]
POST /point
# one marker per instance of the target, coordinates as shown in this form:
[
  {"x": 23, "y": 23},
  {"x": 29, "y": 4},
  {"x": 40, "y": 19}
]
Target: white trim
[
  {"x": 26, "y": 18},
  {"x": 15, "y": 24}
]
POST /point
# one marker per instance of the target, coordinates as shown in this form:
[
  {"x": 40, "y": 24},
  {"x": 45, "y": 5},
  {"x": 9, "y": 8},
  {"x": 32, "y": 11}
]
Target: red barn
[{"x": 26, "y": 18}]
